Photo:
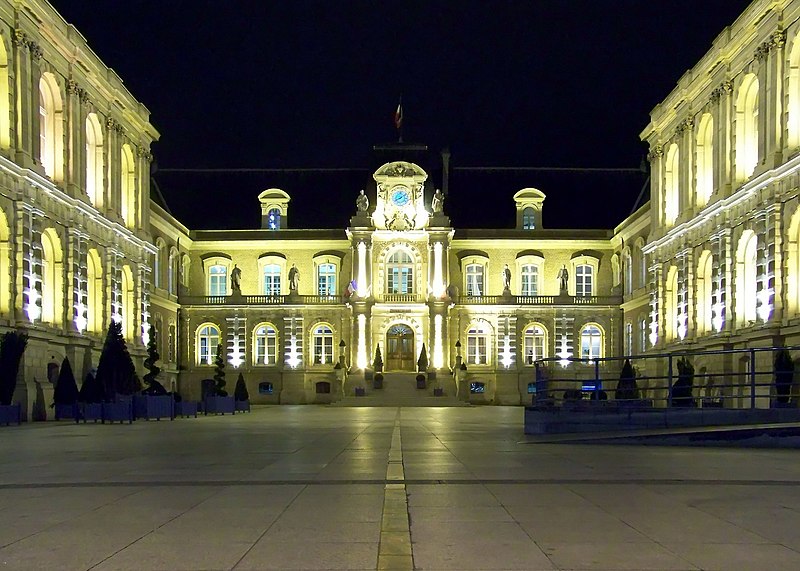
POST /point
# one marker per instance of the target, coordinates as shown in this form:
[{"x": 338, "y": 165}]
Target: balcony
[
  {"x": 257, "y": 300},
  {"x": 401, "y": 298},
  {"x": 538, "y": 300}
]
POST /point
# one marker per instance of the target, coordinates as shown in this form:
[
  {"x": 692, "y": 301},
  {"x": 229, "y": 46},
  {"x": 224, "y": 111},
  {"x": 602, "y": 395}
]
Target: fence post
[
  {"x": 669, "y": 381},
  {"x": 752, "y": 378}
]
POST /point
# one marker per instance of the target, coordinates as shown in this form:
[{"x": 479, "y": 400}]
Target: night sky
[{"x": 264, "y": 84}]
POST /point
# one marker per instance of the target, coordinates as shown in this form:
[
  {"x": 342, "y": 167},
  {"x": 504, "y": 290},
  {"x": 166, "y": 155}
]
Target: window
[
  {"x": 265, "y": 388},
  {"x": 705, "y": 289},
  {"x": 323, "y": 345},
  {"x": 326, "y": 279},
  {"x": 671, "y": 304},
  {"x": 400, "y": 273},
  {"x": 643, "y": 332},
  {"x": 705, "y": 159},
  {"x": 530, "y": 280},
  {"x": 746, "y": 278},
  {"x": 323, "y": 388},
  {"x": 747, "y": 128},
  {"x": 52, "y": 278},
  {"x": 51, "y": 146},
  {"x": 672, "y": 185},
  {"x": 627, "y": 270},
  {"x": 158, "y": 265},
  {"x": 591, "y": 342},
  {"x": 172, "y": 272},
  {"x": 5, "y": 102},
  {"x": 272, "y": 279},
  {"x": 477, "y": 345},
  {"x": 207, "y": 341},
  {"x": 629, "y": 338},
  {"x": 475, "y": 280},
  {"x": 171, "y": 344},
  {"x": 477, "y": 388},
  {"x": 217, "y": 280},
  {"x": 274, "y": 219},
  {"x": 584, "y": 280},
  {"x": 127, "y": 187},
  {"x": 534, "y": 343},
  {"x": 528, "y": 219},
  {"x": 94, "y": 291},
  {"x": 266, "y": 343},
  {"x": 94, "y": 160}
]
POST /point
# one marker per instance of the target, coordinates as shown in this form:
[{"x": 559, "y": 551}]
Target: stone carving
[
  {"x": 563, "y": 280},
  {"x": 437, "y": 204},
  {"x": 294, "y": 278},
  {"x": 506, "y": 278},
  {"x": 362, "y": 202},
  {"x": 656, "y": 152},
  {"x": 236, "y": 279}
]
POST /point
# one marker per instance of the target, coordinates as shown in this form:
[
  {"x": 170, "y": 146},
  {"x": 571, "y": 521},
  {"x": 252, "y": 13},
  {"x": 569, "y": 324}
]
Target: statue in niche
[
  {"x": 437, "y": 204},
  {"x": 506, "y": 278},
  {"x": 362, "y": 202},
  {"x": 236, "y": 279},
  {"x": 294, "y": 278},
  {"x": 563, "y": 280}
]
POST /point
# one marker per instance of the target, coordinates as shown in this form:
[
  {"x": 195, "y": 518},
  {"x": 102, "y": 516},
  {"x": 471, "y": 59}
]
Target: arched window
[
  {"x": 207, "y": 341},
  {"x": 529, "y": 280},
  {"x": 5, "y": 102},
  {"x": 746, "y": 278},
  {"x": 478, "y": 343},
  {"x": 672, "y": 191},
  {"x": 534, "y": 343},
  {"x": 627, "y": 270},
  {"x": 5, "y": 263},
  {"x": 747, "y": 128},
  {"x": 794, "y": 96},
  {"x": 128, "y": 187},
  {"x": 528, "y": 219},
  {"x": 474, "y": 276},
  {"x": 400, "y": 273},
  {"x": 51, "y": 145},
  {"x": 584, "y": 280},
  {"x": 218, "y": 280},
  {"x": 52, "y": 278},
  {"x": 643, "y": 332},
  {"x": 172, "y": 272},
  {"x": 94, "y": 160},
  {"x": 265, "y": 344},
  {"x": 705, "y": 289},
  {"x": 326, "y": 279},
  {"x": 95, "y": 290},
  {"x": 591, "y": 341},
  {"x": 128, "y": 304},
  {"x": 705, "y": 160},
  {"x": 158, "y": 266},
  {"x": 322, "y": 341},
  {"x": 629, "y": 338},
  {"x": 171, "y": 343},
  {"x": 272, "y": 279},
  {"x": 671, "y": 304},
  {"x": 274, "y": 219}
]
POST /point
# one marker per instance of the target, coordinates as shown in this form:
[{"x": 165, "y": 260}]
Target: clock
[{"x": 400, "y": 196}]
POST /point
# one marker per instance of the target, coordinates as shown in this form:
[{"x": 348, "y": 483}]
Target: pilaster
[
  {"x": 79, "y": 282},
  {"x": 26, "y": 101}
]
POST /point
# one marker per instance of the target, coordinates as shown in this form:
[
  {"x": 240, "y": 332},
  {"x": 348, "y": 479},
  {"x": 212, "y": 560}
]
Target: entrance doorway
[{"x": 400, "y": 348}]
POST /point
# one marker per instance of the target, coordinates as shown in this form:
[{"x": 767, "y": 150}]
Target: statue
[
  {"x": 362, "y": 202},
  {"x": 506, "y": 278},
  {"x": 294, "y": 278},
  {"x": 437, "y": 204},
  {"x": 236, "y": 279},
  {"x": 563, "y": 279}
]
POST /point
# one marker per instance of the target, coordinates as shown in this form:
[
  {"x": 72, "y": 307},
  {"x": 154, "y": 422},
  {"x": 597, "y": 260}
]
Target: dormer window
[
  {"x": 274, "y": 219},
  {"x": 528, "y": 219}
]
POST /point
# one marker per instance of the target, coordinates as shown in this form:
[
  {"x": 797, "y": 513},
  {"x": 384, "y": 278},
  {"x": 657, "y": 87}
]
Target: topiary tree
[
  {"x": 377, "y": 363},
  {"x": 115, "y": 371},
  {"x": 219, "y": 373},
  {"x": 12, "y": 346},
  {"x": 784, "y": 375},
  {"x": 153, "y": 387},
  {"x": 66, "y": 391},
  {"x": 422, "y": 362},
  {"x": 92, "y": 390},
  {"x": 627, "y": 388},
  {"x": 682, "y": 388},
  {"x": 240, "y": 391}
]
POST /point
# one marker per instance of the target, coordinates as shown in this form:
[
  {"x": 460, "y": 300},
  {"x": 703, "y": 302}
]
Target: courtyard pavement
[{"x": 312, "y": 487}]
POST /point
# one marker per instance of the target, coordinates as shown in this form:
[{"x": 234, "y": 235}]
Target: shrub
[
  {"x": 682, "y": 388},
  {"x": 784, "y": 375},
  {"x": 115, "y": 370},
  {"x": 66, "y": 391},
  {"x": 377, "y": 363},
  {"x": 627, "y": 388},
  {"x": 12, "y": 346},
  {"x": 422, "y": 362},
  {"x": 219, "y": 373},
  {"x": 92, "y": 390},
  {"x": 154, "y": 388},
  {"x": 572, "y": 395},
  {"x": 240, "y": 390}
]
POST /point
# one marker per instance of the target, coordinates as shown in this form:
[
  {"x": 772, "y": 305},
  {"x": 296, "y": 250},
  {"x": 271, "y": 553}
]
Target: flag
[
  {"x": 398, "y": 115},
  {"x": 351, "y": 288}
]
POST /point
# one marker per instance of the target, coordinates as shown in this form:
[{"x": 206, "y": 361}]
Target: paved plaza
[{"x": 384, "y": 488}]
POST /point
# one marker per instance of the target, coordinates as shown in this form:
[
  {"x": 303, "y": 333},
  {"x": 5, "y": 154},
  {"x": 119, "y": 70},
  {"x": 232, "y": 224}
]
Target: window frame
[
  {"x": 200, "y": 335},
  {"x": 529, "y": 341},
  {"x": 269, "y": 360},
  {"x": 587, "y": 332}
]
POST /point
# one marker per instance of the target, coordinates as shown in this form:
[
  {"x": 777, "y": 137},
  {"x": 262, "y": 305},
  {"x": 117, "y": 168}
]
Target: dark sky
[{"x": 286, "y": 84}]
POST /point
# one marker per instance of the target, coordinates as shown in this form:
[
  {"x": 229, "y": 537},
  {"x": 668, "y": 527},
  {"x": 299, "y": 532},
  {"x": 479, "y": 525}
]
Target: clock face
[{"x": 400, "y": 196}]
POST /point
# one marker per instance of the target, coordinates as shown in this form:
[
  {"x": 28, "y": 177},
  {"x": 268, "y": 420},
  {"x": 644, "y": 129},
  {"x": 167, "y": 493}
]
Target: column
[
  {"x": 78, "y": 248},
  {"x": 656, "y": 158},
  {"x": 236, "y": 331},
  {"x": 684, "y": 289},
  {"x": 773, "y": 95},
  {"x": 114, "y": 286},
  {"x": 75, "y": 141},
  {"x": 765, "y": 264},
  {"x": 724, "y": 138},
  {"x": 293, "y": 341},
  {"x": 655, "y": 288},
  {"x": 24, "y": 100},
  {"x": 687, "y": 201},
  {"x": 111, "y": 200},
  {"x": 30, "y": 262},
  {"x": 144, "y": 301},
  {"x": 507, "y": 341},
  {"x": 777, "y": 268}
]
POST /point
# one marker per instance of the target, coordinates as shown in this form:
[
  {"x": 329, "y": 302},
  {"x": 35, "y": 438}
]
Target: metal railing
[{"x": 731, "y": 378}]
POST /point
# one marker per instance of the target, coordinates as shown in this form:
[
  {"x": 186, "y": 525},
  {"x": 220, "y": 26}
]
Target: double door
[{"x": 400, "y": 349}]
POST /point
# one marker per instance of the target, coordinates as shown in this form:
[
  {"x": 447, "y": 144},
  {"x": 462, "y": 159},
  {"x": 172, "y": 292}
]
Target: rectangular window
[
  {"x": 401, "y": 280},
  {"x": 583, "y": 280},
  {"x": 476, "y": 350},
  {"x": 265, "y": 350},
  {"x": 628, "y": 338},
  {"x": 326, "y": 279},
  {"x": 643, "y": 335},
  {"x": 530, "y": 280},
  {"x": 475, "y": 280},
  {"x": 323, "y": 350},
  {"x": 218, "y": 280},
  {"x": 272, "y": 280}
]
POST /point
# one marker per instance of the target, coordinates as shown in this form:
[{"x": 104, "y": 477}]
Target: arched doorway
[{"x": 400, "y": 348}]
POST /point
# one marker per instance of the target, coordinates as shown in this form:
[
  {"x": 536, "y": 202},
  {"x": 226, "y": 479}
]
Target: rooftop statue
[{"x": 362, "y": 202}]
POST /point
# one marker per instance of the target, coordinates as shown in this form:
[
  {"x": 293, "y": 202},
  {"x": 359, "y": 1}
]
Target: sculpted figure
[
  {"x": 437, "y": 204},
  {"x": 563, "y": 279},
  {"x": 506, "y": 278},
  {"x": 236, "y": 279},
  {"x": 294, "y": 278},
  {"x": 362, "y": 202}
]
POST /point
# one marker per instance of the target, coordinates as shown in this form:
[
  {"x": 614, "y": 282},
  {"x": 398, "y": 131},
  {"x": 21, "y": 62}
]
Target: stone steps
[{"x": 399, "y": 390}]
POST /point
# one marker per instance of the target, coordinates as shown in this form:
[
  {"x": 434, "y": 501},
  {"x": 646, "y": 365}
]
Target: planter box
[
  {"x": 89, "y": 411},
  {"x": 242, "y": 406},
  {"x": 361, "y": 392},
  {"x": 219, "y": 405},
  {"x": 10, "y": 413},
  {"x": 186, "y": 408},
  {"x": 438, "y": 392},
  {"x": 421, "y": 384},
  {"x": 377, "y": 384},
  {"x": 120, "y": 411},
  {"x": 69, "y": 411},
  {"x": 147, "y": 407}
]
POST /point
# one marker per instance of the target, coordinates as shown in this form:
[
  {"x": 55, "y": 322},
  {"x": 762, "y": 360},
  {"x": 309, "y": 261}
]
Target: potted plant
[
  {"x": 420, "y": 378},
  {"x": 65, "y": 396},
  {"x": 117, "y": 374},
  {"x": 377, "y": 381},
  {"x": 627, "y": 389},
  {"x": 682, "y": 388},
  {"x": 377, "y": 362},
  {"x": 219, "y": 402},
  {"x": 154, "y": 401},
  {"x": 90, "y": 399},
  {"x": 422, "y": 362},
  {"x": 12, "y": 346},
  {"x": 241, "y": 396},
  {"x": 784, "y": 376}
]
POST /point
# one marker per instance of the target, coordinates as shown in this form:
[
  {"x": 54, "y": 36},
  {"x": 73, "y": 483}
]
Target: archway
[{"x": 400, "y": 348}]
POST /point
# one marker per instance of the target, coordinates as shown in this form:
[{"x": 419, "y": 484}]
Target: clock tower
[{"x": 400, "y": 197}]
